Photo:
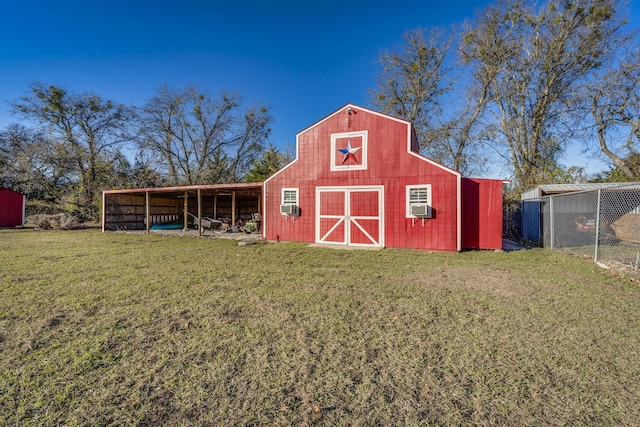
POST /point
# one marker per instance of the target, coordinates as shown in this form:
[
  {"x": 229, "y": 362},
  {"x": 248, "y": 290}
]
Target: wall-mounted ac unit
[
  {"x": 420, "y": 211},
  {"x": 289, "y": 210}
]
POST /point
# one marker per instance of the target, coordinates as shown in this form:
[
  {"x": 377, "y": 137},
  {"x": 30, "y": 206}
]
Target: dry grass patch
[
  {"x": 104, "y": 329},
  {"x": 491, "y": 280}
]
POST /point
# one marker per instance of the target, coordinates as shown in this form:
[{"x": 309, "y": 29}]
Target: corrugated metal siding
[
  {"x": 534, "y": 193},
  {"x": 531, "y": 222}
]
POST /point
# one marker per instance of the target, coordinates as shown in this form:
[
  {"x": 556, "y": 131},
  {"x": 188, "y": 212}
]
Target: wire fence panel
[
  {"x": 620, "y": 215},
  {"x": 570, "y": 221},
  {"x": 512, "y": 214},
  {"x": 602, "y": 224}
]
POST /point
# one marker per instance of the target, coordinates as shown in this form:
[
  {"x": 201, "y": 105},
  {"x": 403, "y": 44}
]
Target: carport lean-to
[{"x": 142, "y": 208}]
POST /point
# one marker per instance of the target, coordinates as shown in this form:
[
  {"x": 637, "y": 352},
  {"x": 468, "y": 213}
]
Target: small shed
[
  {"x": 358, "y": 179},
  {"x": 533, "y": 200},
  {"x": 12, "y": 208}
]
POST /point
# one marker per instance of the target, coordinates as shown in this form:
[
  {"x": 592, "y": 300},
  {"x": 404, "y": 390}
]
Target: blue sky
[{"x": 305, "y": 59}]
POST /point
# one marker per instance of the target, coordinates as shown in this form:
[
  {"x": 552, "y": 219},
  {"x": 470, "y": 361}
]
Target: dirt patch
[
  {"x": 194, "y": 233},
  {"x": 496, "y": 282}
]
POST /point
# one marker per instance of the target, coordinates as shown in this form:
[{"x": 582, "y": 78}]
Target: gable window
[
  {"x": 419, "y": 201},
  {"x": 289, "y": 203}
]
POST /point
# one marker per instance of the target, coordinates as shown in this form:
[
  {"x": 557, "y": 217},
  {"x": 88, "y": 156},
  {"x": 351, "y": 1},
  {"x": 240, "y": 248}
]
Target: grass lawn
[{"x": 103, "y": 329}]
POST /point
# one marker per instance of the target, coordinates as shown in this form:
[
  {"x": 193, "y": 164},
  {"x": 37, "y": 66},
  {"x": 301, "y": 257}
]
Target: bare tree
[
  {"x": 32, "y": 164},
  {"x": 615, "y": 108},
  {"x": 532, "y": 61},
  {"x": 456, "y": 138},
  {"x": 198, "y": 138},
  {"x": 414, "y": 79},
  {"x": 417, "y": 81},
  {"x": 85, "y": 130},
  {"x": 249, "y": 143}
]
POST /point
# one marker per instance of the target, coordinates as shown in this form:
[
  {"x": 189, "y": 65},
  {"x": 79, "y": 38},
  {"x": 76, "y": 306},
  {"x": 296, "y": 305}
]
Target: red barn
[
  {"x": 358, "y": 180},
  {"x": 12, "y": 206}
]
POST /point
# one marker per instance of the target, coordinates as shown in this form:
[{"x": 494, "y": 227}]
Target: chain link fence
[
  {"x": 512, "y": 219},
  {"x": 602, "y": 224}
]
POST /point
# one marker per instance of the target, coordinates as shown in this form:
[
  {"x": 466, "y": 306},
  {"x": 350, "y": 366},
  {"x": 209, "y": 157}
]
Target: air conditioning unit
[
  {"x": 289, "y": 210},
  {"x": 420, "y": 211}
]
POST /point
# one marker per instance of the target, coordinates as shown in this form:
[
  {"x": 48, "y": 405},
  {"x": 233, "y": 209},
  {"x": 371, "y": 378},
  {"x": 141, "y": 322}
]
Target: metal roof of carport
[
  {"x": 241, "y": 187},
  {"x": 551, "y": 189}
]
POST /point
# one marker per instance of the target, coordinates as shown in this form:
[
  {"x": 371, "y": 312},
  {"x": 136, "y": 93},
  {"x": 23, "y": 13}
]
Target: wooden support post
[
  {"x": 186, "y": 211},
  {"x": 233, "y": 209},
  {"x": 551, "y": 220},
  {"x": 104, "y": 210},
  {"x": 215, "y": 206},
  {"x": 147, "y": 210},
  {"x": 199, "y": 213}
]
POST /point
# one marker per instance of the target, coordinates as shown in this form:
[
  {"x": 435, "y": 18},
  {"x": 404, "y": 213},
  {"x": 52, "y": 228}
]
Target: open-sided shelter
[
  {"x": 358, "y": 180},
  {"x": 186, "y": 206},
  {"x": 12, "y": 208}
]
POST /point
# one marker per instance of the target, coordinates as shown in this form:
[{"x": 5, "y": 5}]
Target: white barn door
[{"x": 351, "y": 216}]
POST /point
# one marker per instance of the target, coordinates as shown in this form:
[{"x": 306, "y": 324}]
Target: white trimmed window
[
  {"x": 289, "y": 204},
  {"x": 419, "y": 201}
]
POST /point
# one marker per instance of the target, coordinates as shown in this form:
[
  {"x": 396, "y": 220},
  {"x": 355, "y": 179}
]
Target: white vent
[
  {"x": 289, "y": 210},
  {"x": 420, "y": 211}
]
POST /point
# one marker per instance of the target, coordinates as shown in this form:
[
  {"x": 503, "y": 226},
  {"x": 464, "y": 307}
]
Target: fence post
[
  {"x": 551, "y": 220},
  {"x": 597, "y": 255}
]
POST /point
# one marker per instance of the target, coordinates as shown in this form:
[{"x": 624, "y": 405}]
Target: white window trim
[
  {"x": 429, "y": 203},
  {"x": 296, "y": 202},
  {"x": 364, "y": 150}
]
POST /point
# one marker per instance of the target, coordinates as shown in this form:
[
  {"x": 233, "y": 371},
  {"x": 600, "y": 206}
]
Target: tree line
[
  {"x": 522, "y": 81},
  {"x": 78, "y": 145}
]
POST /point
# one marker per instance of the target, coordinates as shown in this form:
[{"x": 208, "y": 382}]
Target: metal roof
[
  {"x": 550, "y": 189},
  {"x": 251, "y": 187}
]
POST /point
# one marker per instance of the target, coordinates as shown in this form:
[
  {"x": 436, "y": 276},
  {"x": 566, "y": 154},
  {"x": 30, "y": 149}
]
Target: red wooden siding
[
  {"x": 390, "y": 165},
  {"x": 11, "y": 208},
  {"x": 482, "y": 213}
]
